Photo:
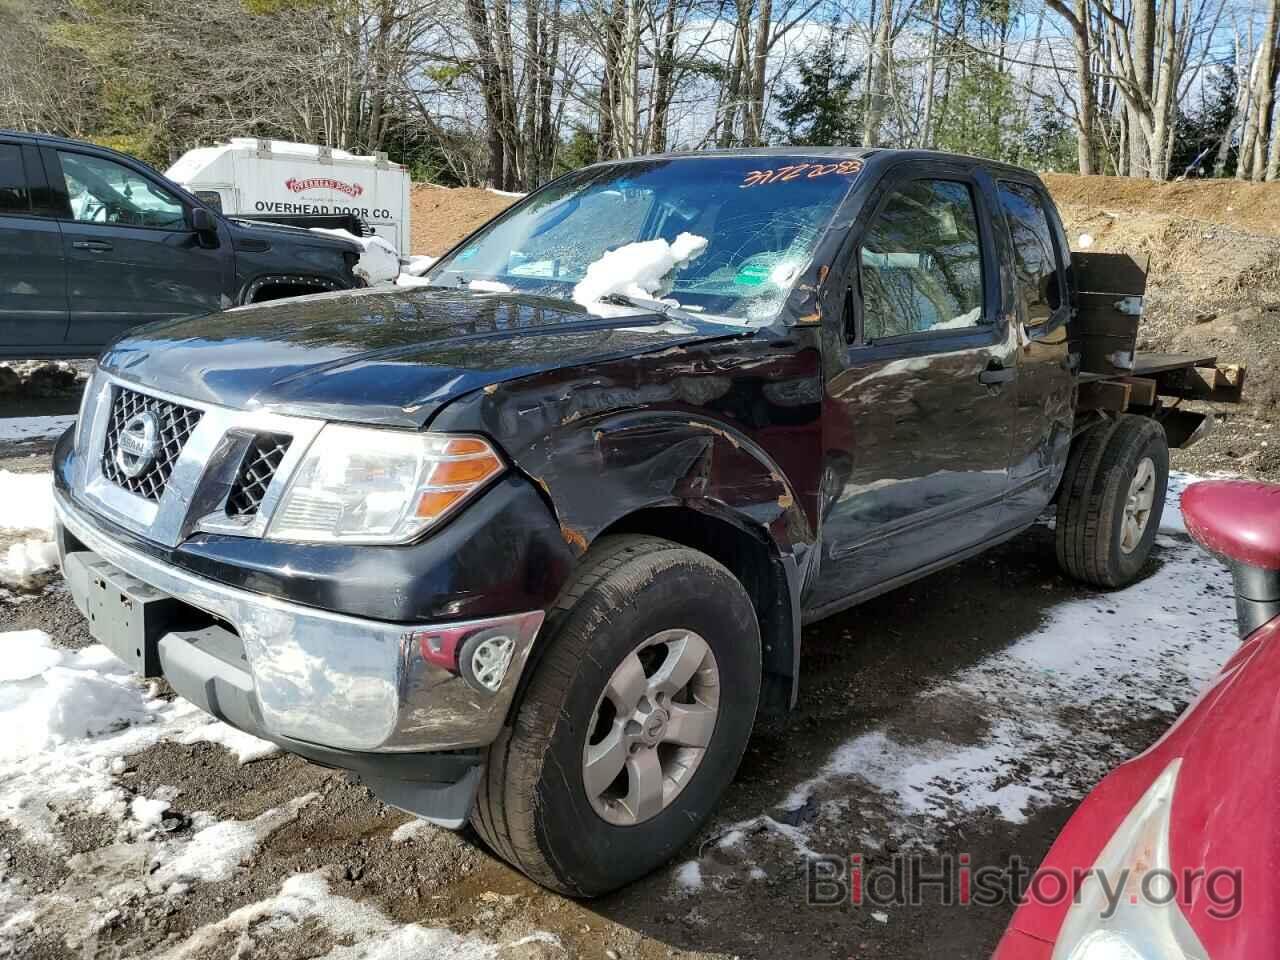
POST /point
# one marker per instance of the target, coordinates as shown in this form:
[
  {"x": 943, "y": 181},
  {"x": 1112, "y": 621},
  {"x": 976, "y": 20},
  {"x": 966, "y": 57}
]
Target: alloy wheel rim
[
  {"x": 651, "y": 727},
  {"x": 1137, "y": 505}
]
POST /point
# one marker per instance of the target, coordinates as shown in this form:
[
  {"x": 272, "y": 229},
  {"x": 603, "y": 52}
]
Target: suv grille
[
  {"x": 174, "y": 424},
  {"x": 256, "y": 470}
]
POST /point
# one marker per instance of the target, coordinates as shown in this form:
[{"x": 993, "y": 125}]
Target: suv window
[
  {"x": 102, "y": 191},
  {"x": 14, "y": 196},
  {"x": 922, "y": 262},
  {"x": 1035, "y": 254}
]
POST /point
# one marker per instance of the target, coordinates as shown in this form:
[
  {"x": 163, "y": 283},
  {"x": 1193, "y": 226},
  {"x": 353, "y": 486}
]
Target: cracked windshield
[{"x": 722, "y": 238}]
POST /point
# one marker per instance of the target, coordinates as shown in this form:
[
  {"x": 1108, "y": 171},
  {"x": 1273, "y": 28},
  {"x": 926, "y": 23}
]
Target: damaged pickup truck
[{"x": 531, "y": 545}]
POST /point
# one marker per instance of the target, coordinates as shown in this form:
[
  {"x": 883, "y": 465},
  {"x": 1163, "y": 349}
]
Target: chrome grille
[
  {"x": 175, "y": 423},
  {"x": 259, "y": 466}
]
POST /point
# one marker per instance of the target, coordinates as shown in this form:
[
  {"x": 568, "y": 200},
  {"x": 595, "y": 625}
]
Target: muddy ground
[{"x": 865, "y": 669}]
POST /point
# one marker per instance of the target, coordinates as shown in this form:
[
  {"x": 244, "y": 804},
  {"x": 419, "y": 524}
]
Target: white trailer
[{"x": 276, "y": 178}]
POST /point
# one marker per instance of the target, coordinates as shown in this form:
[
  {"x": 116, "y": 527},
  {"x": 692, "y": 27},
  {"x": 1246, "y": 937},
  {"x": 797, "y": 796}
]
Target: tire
[
  {"x": 533, "y": 808},
  {"x": 1098, "y": 542}
]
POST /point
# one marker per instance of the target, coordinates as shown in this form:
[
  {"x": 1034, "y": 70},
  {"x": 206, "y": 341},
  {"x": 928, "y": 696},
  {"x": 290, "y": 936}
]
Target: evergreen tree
[
  {"x": 1197, "y": 134},
  {"x": 823, "y": 108},
  {"x": 980, "y": 116}
]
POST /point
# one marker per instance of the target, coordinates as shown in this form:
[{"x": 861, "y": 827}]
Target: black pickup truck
[
  {"x": 531, "y": 545},
  {"x": 93, "y": 242}
]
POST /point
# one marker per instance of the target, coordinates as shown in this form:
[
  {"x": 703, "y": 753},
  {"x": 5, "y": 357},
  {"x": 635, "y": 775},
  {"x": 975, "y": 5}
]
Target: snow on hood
[
  {"x": 636, "y": 270},
  {"x": 379, "y": 261}
]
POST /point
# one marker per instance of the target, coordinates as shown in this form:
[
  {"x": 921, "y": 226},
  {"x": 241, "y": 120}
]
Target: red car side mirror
[{"x": 1239, "y": 520}]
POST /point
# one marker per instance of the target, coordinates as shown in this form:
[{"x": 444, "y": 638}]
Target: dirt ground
[
  {"x": 442, "y": 216},
  {"x": 1213, "y": 289}
]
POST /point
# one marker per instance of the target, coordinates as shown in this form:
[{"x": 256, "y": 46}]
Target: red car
[{"x": 1175, "y": 853}]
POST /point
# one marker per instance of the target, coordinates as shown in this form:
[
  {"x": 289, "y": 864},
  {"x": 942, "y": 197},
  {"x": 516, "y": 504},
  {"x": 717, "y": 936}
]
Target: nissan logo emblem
[{"x": 138, "y": 443}]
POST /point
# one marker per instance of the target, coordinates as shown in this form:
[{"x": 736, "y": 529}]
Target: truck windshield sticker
[{"x": 796, "y": 171}]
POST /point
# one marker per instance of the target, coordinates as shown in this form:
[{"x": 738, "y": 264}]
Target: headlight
[
  {"x": 1133, "y": 924},
  {"x": 358, "y": 485}
]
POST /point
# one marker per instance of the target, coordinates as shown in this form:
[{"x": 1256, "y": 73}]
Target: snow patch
[
  {"x": 218, "y": 848},
  {"x": 26, "y": 501},
  {"x": 1138, "y": 649},
  {"x": 379, "y": 260},
  {"x": 27, "y": 562},
  {"x": 507, "y": 193},
  {"x": 689, "y": 876},
  {"x": 69, "y": 716},
  {"x": 407, "y": 831},
  {"x": 33, "y": 428},
  {"x": 25, "y": 654},
  {"x": 364, "y": 932},
  {"x": 635, "y": 270},
  {"x": 246, "y": 747},
  {"x": 51, "y": 697},
  {"x": 418, "y": 265},
  {"x": 148, "y": 812},
  {"x": 488, "y": 286},
  {"x": 408, "y": 280}
]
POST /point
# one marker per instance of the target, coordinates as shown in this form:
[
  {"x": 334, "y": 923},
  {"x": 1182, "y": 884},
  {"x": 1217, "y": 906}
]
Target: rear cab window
[{"x": 1037, "y": 259}]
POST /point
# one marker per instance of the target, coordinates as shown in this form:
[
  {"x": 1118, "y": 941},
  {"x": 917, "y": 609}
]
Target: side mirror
[
  {"x": 205, "y": 226},
  {"x": 202, "y": 221}
]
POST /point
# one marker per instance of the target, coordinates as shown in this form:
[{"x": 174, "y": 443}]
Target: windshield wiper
[
  {"x": 669, "y": 311},
  {"x": 672, "y": 311}
]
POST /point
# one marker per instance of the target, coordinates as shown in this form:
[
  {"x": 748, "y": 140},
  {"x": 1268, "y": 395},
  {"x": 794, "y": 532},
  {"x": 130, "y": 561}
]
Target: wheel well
[
  {"x": 278, "y": 288},
  {"x": 751, "y": 559}
]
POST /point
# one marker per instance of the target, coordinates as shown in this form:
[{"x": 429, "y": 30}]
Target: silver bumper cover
[{"x": 333, "y": 680}]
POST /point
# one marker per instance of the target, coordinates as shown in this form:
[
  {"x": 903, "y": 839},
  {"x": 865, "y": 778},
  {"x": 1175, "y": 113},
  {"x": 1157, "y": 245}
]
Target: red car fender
[{"x": 1225, "y": 815}]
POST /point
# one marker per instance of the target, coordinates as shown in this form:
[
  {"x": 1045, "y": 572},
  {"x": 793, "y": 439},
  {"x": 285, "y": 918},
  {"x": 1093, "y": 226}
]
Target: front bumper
[{"x": 315, "y": 681}]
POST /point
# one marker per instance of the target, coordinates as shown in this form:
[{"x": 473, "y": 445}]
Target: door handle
[
  {"x": 98, "y": 246},
  {"x": 996, "y": 374}
]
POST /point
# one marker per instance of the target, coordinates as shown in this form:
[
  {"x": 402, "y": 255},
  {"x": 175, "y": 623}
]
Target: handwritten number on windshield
[{"x": 809, "y": 171}]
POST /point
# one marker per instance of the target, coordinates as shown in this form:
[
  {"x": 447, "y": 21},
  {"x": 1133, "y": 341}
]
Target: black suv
[{"x": 93, "y": 242}]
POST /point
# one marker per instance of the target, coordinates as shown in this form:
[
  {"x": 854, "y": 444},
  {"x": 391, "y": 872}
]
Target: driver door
[
  {"x": 919, "y": 398},
  {"x": 130, "y": 256}
]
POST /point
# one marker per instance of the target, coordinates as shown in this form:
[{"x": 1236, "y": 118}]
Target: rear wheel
[
  {"x": 634, "y": 720},
  {"x": 1112, "y": 501}
]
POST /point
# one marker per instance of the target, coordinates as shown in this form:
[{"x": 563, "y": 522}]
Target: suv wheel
[
  {"x": 1112, "y": 501},
  {"x": 634, "y": 720}
]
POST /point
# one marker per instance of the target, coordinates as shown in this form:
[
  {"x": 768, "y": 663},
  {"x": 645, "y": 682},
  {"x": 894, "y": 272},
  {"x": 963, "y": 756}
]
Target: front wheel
[
  {"x": 633, "y": 723},
  {"x": 1112, "y": 501}
]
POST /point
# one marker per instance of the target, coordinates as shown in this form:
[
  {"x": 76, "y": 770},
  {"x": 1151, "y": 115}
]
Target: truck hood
[
  {"x": 265, "y": 230},
  {"x": 379, "y": 355}
]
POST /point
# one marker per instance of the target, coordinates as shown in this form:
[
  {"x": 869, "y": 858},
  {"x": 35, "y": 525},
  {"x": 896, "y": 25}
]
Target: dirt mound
[
  {"x": 1252, "y": 207},
  {"x": 442, "y": 215},
  {"x": 1213, "y": 289}
]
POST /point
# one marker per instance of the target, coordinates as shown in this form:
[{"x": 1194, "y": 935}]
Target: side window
[
  {"x": 14, "y": 195},
  {"x": 922, "y": 262},
  {"x": 1035, "y": 255},
  {"x": 102, "y": 191}
]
